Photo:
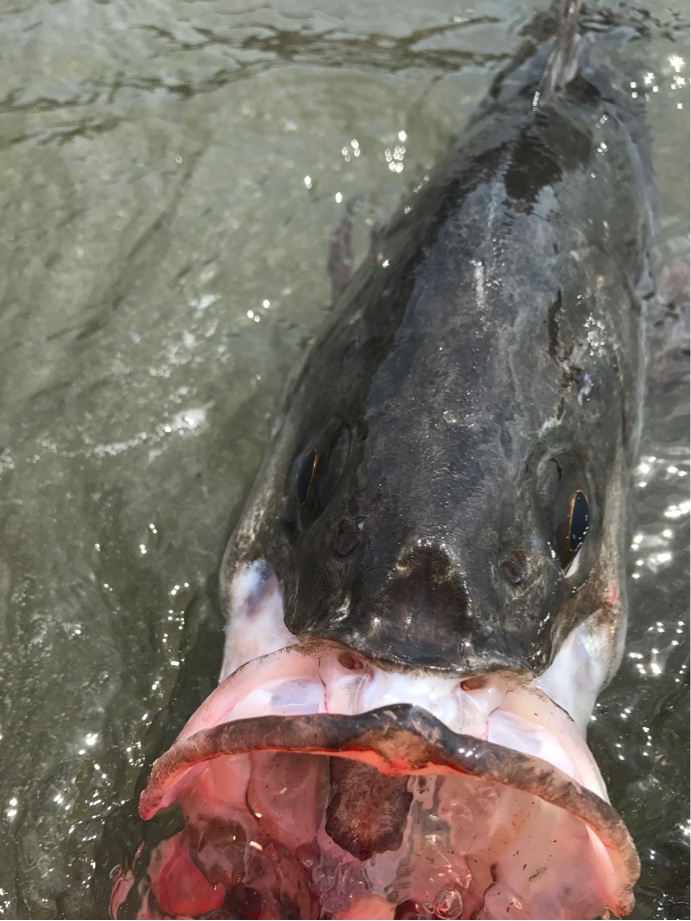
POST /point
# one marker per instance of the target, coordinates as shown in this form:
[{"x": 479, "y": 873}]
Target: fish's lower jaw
[{"x": 313, "y": 785}]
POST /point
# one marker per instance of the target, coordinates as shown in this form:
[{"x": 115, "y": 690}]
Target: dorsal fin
[{"x": 562, "y": 62}]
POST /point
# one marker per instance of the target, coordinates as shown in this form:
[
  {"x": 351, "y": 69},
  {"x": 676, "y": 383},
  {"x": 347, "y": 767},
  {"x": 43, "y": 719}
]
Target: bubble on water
[{"x": 448, "y": 903}]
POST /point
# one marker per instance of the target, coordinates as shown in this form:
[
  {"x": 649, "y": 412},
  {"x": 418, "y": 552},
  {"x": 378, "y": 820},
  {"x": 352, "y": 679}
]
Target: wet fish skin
[{"x": 495, "y": 326}]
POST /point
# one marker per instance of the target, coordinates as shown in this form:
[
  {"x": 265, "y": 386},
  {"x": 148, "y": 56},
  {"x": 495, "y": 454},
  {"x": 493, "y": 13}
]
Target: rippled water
[{"x": 171, "y": 172}]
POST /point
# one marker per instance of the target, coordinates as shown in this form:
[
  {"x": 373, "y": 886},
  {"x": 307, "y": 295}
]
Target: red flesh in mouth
[{"x": 302, "y": 800}]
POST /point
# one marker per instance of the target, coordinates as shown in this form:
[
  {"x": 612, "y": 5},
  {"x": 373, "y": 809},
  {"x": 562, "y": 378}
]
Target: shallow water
[{"x": 171, "y": 172}]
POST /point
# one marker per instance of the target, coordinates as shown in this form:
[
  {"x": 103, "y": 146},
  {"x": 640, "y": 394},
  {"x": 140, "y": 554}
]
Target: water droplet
[{"x": 448, "y": 903}]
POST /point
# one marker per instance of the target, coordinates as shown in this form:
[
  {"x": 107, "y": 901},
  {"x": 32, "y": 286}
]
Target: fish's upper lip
[{"x": 399, "y": 739}]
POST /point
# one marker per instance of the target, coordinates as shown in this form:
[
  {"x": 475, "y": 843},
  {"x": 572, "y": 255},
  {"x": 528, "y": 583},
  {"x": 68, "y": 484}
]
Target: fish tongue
[{"x": 368, "y": 810}]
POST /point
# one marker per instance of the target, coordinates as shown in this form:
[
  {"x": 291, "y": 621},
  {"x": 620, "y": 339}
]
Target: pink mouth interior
[{"x": 338, "y": 812}]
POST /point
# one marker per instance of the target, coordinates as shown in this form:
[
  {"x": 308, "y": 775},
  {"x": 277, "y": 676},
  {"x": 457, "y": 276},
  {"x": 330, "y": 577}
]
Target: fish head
[{"x": 457, "y": 502}]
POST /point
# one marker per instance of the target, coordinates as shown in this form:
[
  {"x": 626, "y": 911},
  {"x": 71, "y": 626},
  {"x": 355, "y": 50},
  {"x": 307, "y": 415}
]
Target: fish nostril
[
  {"x": 349, "y": 662},
  {"x": 474, "y": 684},
  {"x": 512, "y": 569}
]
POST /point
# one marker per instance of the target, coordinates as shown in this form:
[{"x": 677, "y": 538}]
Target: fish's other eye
[
  {"x": 571, "y": 512},
  {"x": 315, "y": 477},
  {"x": 307, "y": 475},
  {"x": 571, "y": 529}
]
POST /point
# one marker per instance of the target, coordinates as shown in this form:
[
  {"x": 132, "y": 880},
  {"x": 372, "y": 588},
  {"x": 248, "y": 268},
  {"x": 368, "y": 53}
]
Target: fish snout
[
  {"x": 462, "y": 604},
  {"x": 427, "y": 584},
  {"x": 424, "y": 609}
]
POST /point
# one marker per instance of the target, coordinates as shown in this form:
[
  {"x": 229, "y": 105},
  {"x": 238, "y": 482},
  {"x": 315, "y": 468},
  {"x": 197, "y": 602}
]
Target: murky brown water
[{"x": 162, "y": 266}]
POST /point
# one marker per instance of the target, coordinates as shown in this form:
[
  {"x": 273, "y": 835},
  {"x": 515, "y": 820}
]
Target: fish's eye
[
  {"x": 307, "y": 475},
  {"x": 567, "y": 496},
  {"x": 572, "y": 528},
  {"x": 316, "y": 474}
]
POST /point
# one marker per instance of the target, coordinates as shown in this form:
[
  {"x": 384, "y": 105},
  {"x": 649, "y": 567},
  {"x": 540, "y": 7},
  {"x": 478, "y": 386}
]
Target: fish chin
[{"x": 314, "y": 784}]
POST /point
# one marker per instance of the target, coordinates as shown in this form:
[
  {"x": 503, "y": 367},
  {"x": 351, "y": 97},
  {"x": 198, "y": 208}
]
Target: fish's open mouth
[{"x": 299, "y": 805}]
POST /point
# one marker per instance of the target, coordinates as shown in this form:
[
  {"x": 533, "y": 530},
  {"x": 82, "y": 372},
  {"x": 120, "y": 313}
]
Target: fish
[{"x": 426, "y": 592}]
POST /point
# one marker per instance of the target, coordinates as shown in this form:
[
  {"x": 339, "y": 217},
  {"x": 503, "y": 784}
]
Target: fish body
[{"x": 425, "y": 592}]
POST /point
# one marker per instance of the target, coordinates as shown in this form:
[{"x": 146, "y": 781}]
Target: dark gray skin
[{"x": 410, "y": 503}]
